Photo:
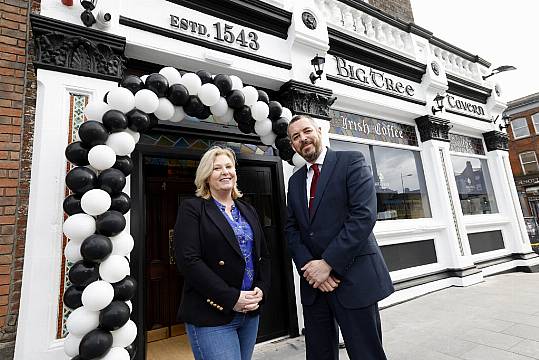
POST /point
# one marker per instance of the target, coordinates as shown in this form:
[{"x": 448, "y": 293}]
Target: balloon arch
[{"x": 101, "y": 285}]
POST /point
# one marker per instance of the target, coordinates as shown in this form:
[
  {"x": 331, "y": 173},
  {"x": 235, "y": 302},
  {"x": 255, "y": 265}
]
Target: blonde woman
[{"x": 222, "y": 254}]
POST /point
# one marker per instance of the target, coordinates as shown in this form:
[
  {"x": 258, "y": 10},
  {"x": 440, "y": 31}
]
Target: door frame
[{"x": 138, "y": 212}]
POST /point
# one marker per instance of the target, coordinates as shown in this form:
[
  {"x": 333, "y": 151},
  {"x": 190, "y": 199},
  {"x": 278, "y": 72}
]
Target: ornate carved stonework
[
  {"x": 64, "y": 47},
  {"x": 496, "y": 140},
  {"x": 309, "y": 20},
  {"x": 302, "y": 98},
  {"x": 433, "y": 128},
  {"x": 435, "y": 68}
]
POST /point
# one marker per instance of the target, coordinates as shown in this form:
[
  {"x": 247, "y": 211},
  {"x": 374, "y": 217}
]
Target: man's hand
[
  {"x": 316, "y": 272},
  {"x": 330, "y": 284}
]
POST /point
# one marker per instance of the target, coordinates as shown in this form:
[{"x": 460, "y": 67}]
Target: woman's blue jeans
[{"x": 233, "y": 341}]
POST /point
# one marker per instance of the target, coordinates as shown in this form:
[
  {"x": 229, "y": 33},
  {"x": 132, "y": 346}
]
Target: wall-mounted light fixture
[
  {"x": 87, "y": 16},
  {"x": 318, "y": 63},
  {"x": 506, "y": 122},
  {"x": 500, "y": 69},
  {"x": 439, "y": 99}
]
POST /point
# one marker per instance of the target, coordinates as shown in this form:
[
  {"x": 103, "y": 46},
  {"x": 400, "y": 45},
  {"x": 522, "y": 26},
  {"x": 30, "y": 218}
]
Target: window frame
[
  {"x": 536, "y": 127},
  {"x": 522, "y": 164},
  {"x": 513, "y": 128}
]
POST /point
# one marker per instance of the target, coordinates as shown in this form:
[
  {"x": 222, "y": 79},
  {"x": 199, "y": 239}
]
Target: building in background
[
  {"x": 522, "y": 120},
  {"x": 416, "y": 106}
]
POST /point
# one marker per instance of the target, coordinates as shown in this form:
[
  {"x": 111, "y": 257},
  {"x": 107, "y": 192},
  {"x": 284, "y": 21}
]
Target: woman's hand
[{"x": 248, "y": 300}]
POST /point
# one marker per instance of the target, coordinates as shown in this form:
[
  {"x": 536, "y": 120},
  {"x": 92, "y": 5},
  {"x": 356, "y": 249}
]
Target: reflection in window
[
  {"x": 474, "y": 185},
  {"x": 399, "y": 180},
  {"x": 520, "y": 128}
]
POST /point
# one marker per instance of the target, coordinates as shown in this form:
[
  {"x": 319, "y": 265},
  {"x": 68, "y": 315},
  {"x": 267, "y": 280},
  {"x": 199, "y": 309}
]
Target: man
[{"x": 331, "y": 214}]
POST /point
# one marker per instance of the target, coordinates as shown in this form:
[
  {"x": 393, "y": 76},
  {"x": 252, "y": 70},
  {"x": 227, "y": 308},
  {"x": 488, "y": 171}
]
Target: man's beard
[{"x": 312, "y": 156}]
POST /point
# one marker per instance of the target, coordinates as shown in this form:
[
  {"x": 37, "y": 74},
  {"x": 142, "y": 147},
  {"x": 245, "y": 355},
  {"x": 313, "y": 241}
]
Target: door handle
[{"x": 171, "y": 247}]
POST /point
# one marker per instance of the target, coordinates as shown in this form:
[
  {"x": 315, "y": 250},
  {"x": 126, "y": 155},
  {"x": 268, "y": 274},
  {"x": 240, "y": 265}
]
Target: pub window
[
  {"x": 474, "y": 185},
  {"x": 399, "y": 180},
  {"x": 528, "y": 160},
  {"x": 520, "y": 128},
  {"x": 535, "y": 119}
]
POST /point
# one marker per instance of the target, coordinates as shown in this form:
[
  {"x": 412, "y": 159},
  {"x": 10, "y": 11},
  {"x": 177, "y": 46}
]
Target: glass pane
[
  {"x": 535, "y": 119},
  {"x": 520, "y": 127},
  {"x": 530, "y": 167},
  {"x": 474, "y": 185},
  {"x": 400, "y": 183},
  {"x": 527, "y": 157}
]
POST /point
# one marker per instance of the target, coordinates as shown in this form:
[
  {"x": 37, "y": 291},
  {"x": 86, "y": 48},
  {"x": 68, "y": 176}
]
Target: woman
[{"x": 222, "y": 254}]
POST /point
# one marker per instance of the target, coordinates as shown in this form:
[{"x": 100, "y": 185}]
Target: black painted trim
[
  {"x": 201, "y": 42},
  {"x": 255, "y": 14},
  {"x": 434, "y": 276},
  {"x": 373, "y": 89},
  {"x": 506, "y": 258},
  {"x": 419, "y": 31},
  {"x": 465, "y": 115},
  {"x": 362, "y": 52},
  {"x": 468, "y": 89},
  {"x": 458, "y": 51}
]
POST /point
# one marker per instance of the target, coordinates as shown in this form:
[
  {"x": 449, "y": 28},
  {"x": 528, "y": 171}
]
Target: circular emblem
[
  {"x": 435, "y": 68},
  {"x": 309, "y": 20},
  {"x": 498, "y": 90}
]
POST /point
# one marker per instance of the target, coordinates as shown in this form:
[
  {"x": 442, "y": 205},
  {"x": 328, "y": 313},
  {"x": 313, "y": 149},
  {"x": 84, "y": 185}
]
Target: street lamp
[
  {"x": 318, "y": 64},
  {"x": 500, "y": 69}
]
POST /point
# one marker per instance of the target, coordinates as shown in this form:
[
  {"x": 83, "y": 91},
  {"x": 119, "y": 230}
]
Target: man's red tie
[{"x": 314, "y": 182}]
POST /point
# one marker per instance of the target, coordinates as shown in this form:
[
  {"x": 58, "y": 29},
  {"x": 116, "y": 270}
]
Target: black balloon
[
  {"x": 96, "y": 248},
  {"x": 178, "y": 94},
  {"x": 285, "y": 148},
  {"x": 125, "y": 289},
  {"x": 95, "y": 344},
  {"x": 247, "y": 127},
  {"x": 275, "y": 110},
  {"x": 111, "y": 180},
  {"x": 243, "y": 114},
  {"x": 194, "y": 106},
  {"x": 73, "y": 297},
  {"x": 223, "y": 83},
  {"x": 72, "y": 205},
  {"x": 110, "y": 223},
  {"x": 263, "y": 96},
  {"x": 132, "y": 350},
  {"x": 138, "y": 120},
  {"x": 235, "y": 99},
  {"x": 81, "y": 179},
  {"x": 83, "y": 272},
  {"x": 124, "y": 164},
  {"x": 205, "y": 76},
  {"x": 121, "y": 202},
  {"x": 157, "y": 83},
  {"x": 114, "y": 316},
  {"x": 154, "y": 121},
  {"x": 132, "y": 83},
  {"x": 77, "y": 154},
  {"x": 114, "y": 121},
  {"x": 93, "y": 133},
  {"x": 205, "y": 113},
  {"x": 280, "y": 127}
]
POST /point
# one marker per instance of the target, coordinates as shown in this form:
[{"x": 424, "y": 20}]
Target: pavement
[{"x": 497, "y": 319}]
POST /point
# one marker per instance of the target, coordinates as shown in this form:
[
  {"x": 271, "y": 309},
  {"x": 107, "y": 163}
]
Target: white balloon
[
  {"x": 81, "y": 321},
  {"x": 228, "y": 116},
  {"x": 237, "y": 84},
  {"x": 121, "y": 142},
  {"x": 260, "y": 111},
  {"x": 79, "y": 226},
  {"x": 263, "y": 128},
  {"x": 95, "y": 110},
  {"x": 220, "y": 108},
  {"x": 114, "y": 268},
  {"x": 298, "y": 160},
  {"x": 287, "y": 114},
  {"x": 101, "y": 157},
  {"x": 71, "y": 345},
  {"x": 192, "y": 82},
  {"x": 146, "y": 100},
  {"x": 268, "y": 139},
  {"x": 121, "y": 99},
  {"x": 172, "y": 75},
  {"x": 97, "y": 295},
  {"x": 134, "y": 134},
  {"x": 251, "y": 95},
  {"x": 179, "y": 114},
  {"x": 95, "y": 202},
  {"x": 116, "y": 353},
  {"x": 122, "y": 244},
  {"x": 72, "y": 251},
  {"x": 125, "y": 335},
  {"x": 209, "y": 94},
  {"x": 165, "y": 110}
]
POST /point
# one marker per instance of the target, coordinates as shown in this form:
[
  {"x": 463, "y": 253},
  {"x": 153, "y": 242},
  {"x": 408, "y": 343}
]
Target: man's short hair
[{"x": 299, "y": 117}]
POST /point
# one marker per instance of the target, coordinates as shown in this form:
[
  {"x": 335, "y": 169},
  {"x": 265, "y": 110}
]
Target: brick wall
[
  {"x": 17, "y": 109},
  {"x": 401, "y": 9},
  {"x": 529, "y": 143}
]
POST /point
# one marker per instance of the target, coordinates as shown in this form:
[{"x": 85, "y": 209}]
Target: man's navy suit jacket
[{"x": 339, "y": 230}]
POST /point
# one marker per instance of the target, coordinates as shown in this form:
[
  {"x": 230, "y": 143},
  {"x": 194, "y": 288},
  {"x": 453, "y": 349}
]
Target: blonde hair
[{"x": 205, "y": 169}]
